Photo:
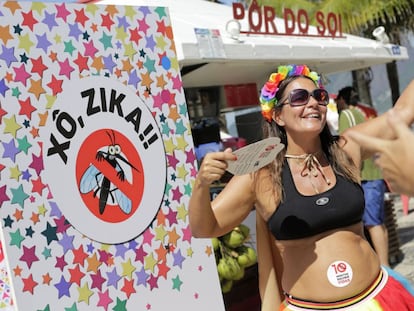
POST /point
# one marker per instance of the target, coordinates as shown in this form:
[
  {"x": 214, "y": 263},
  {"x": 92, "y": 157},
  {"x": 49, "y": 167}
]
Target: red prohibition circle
[
  {"x": 341, "y": 267},
  {"x": 92, "y": 171}
]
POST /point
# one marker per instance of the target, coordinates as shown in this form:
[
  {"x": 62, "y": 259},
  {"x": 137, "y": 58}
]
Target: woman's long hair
[{"x": 340, "y": 161}]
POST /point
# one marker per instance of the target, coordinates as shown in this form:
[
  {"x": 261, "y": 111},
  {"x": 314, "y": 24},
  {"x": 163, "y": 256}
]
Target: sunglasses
[{"x": 300, "y": 97}]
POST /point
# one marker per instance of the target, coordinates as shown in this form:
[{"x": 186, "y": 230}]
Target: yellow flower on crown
[{"x": 268, "y": 93}]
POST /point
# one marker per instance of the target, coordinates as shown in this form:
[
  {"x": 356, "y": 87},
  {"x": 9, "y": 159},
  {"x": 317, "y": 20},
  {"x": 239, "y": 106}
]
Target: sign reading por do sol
[{"x": 104, "y": 159}]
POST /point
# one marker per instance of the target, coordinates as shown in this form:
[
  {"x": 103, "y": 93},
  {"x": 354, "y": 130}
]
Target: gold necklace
[{"x": 311, "y": 167}]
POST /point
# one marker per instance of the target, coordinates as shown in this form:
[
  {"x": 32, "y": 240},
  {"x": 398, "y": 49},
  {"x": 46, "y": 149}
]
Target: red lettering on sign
[
  {"x": 269, "y": 19},
  {"x": 333, "y": 24},
  {"x": 262, "y": 21},
  {"x": 254, "y": 9},
  {"x": 289, "y": 16},
  {"x": 238, "y": 10},
  {"x": 303, "y": 21},
  {"x": 320, "y": 20}
]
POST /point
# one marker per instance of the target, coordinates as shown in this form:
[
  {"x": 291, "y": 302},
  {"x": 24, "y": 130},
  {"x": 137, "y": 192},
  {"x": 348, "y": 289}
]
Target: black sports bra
[{"x": 300, "y": 216}]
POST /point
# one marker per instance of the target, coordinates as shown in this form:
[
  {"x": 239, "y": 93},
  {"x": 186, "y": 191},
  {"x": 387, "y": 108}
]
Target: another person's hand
[
  {"x": 214, "y": 165},
  {"x": 394, "y": 157}
]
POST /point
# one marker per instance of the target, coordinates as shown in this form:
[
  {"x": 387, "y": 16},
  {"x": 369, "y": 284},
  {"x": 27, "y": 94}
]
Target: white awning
[{"x": 254, "y": 57}]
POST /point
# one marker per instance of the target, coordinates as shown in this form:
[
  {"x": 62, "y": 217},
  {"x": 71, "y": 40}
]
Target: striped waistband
[{"x": 376, "y": 286}]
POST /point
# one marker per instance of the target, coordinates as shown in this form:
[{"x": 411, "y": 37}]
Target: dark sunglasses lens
[
  {"x": 299, "y": 97},
  {"x": 321, "y": 96}
]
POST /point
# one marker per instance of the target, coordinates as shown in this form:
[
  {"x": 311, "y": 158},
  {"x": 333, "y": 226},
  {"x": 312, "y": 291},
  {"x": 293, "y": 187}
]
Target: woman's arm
[{"x": 229, "y": 208}]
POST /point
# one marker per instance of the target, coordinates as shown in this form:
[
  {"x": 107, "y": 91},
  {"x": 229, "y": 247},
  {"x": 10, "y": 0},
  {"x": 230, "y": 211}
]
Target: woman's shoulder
[
  {"x": 262, "y": 177},
  {"x": 266, "y": 195}
]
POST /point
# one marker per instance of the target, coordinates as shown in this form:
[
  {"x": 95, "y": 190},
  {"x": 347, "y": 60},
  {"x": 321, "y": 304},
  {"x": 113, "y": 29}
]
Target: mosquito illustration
[{"x": 92, "y": 178}]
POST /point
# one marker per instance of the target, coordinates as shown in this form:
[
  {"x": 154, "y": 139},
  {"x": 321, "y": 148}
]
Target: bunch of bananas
[{"x": 233, "y": 254}]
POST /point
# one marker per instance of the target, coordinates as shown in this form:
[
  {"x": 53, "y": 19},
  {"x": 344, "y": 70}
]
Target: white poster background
[{"x": 153, "y": 158}]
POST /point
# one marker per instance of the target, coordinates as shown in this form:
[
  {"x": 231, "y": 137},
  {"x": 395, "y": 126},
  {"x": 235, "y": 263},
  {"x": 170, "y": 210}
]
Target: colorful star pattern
[{"x": 135, "y": 47}]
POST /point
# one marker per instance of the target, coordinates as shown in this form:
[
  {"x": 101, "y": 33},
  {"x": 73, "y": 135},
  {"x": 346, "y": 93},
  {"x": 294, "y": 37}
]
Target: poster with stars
[{"x": 97, "y": 163}]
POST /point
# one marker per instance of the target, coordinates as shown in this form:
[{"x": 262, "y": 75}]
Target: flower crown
[{"x": 268, "y": 93}]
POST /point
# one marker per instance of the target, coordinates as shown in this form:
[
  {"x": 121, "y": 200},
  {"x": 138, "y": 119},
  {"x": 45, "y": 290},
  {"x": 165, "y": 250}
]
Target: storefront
[
  {"x": 223, "y": 68},
  {"x": 210, "y": 58}
]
